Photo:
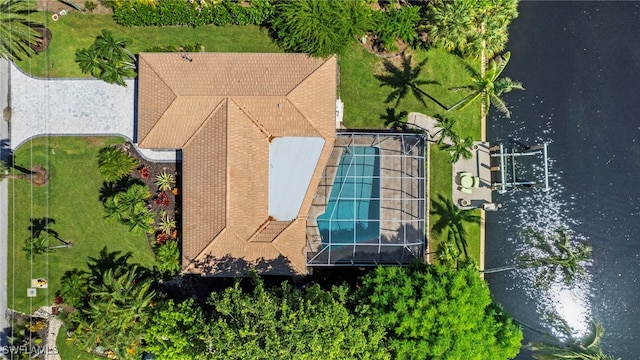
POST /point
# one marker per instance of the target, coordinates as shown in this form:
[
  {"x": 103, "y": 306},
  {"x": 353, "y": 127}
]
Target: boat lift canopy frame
[{"x": 505, "y": 158}]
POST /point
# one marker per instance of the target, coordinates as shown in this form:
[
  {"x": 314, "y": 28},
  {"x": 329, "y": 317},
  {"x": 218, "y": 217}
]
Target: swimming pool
[{"x": 353, "y": 210}]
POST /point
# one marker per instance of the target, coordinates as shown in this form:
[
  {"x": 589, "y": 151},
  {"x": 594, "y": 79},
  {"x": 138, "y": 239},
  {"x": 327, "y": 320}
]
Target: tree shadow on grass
[
  {"x": 111, "y": 188},
  {"x": 405, "y": 79},
  {"x": 451, "y": 222}
]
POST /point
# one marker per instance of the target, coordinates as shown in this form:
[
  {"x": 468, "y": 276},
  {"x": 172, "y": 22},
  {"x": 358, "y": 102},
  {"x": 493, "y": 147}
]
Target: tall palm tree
[
  {"x": 458, "y": 148},
  {"x": 587, "y": 348},
  {"x": 17, "y": 28},
  {"x": 450, "y": 222},
  {"x": 451, "y": 25},
  {"x": 40, "y": 245},
  {"x": 406, "y": 80},
  {"x": 555, "y": 255},
  {"x": 488, "y": 88}
]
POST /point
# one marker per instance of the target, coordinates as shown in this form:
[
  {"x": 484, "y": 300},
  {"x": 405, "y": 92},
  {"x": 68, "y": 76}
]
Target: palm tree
[
  {"x": 488, "y": 88},
  {"x": 17, "y": 32},
  {"x": 74, "y": 286},
  {"x": 450, "y": 222},
  {"x": 395, "y": 120},
  {"x": 555, "y": 256},
  {"x": 89, "y": 61},
  {"x": 404, "y": 80},
  {"x": 40, "y": 245},
  {"x": 451, "y": 25},
  {"x": 458, "y": 148},
  {"x": 587, "y": 348},
  {"x": 446, "y": 129},
  {"x": 107, "y": 58},
  {"x": 114, "y": 163}
]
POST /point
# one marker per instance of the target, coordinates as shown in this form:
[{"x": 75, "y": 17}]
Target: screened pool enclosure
[{"x": 369, "y": 208}]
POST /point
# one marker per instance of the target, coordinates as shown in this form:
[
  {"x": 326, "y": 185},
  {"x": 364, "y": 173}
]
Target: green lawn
[
  {"x": 78, "y": 30},
  {"x": 70, "y": 198},
  {"x": 364, "y": 103}
]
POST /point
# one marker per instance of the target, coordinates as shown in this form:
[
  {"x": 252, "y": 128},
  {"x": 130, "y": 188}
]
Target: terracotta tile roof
[{"x": 223, "y": 110}]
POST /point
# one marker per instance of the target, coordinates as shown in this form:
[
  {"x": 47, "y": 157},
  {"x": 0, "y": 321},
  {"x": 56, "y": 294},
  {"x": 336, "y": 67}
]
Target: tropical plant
[
  {"x": 458, "y": 148},
  {"x": 17, "y": 33},
  {"x": 435, "y": 312},
  {"x": 130, "y": 208},
  {"x": 396, "y": 23},
  {"x": 167, "y": 224},
  {"x": 488, "y": 88},
  {"x": 74, "y": 287},
  {"x": 116, "y": 314},
  {"x": 319, "y": 27},
  {"x": 168, "y": 258},
  {"x": 554, "y": 254},
  {"x": 107, "y": 59},
  {"x": 404, "y": 80},
  {"x": 114, "y": 164},
  {"x": 38, "y": 245},
  {"x": 448, "y": 254},
  {"x": 470, "y": 28},
  {"x": 164, "y": 181},
  {"x": 449, "y": 222},
  {"x": 445, "y": 125}
]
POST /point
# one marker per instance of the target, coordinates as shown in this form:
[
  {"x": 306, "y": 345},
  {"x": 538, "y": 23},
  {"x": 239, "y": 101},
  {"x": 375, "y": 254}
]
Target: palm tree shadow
[
  {"x": 405, "y": 79},
  {"x": 109, "y": 188},
  {"x": 41, "y": 225},
  {"x": 394, "y": 120},
  {"x": 109, "y": 261},
  {"x": 451, "y": 222}
]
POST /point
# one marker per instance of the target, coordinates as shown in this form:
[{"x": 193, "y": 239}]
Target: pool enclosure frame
[{"x": 400, "y": 197}]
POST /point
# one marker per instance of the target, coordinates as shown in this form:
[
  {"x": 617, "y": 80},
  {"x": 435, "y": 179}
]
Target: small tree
[
  {"x": 114, "y": 164},
  {"x": 435, "y": 312},
  {"x": 319, "y": 27},
  {"x": 107, "y": 59},
  {"x": 17, "y": 33},
  {"x": 458, "y": 148}
]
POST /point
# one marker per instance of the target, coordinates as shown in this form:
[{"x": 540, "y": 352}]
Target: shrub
[
  {"x": 319, "y": 27},
  {"x": 168, "y": 257},
  {"x": 167, "y": 224},
  {"x": 114, "y": 164},
  {"x": 191, "y": 13},
  {"x": 396, "y": 24},
  {"x": 144, "y": 172},
  {"x": 162, "y": 199},
  {"x": 89, "y": 5},
  {"x": 130, "y": 208}
]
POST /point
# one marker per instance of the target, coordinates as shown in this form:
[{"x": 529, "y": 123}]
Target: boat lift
[{"x": 506, "y": 163}]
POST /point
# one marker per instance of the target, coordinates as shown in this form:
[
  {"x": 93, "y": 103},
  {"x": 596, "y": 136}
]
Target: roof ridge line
[
  {"x": 206, "y": 121},
  {"x": 260, "y": 127},
  {"x": 274, "y": 245},
  {"x": 175, "y": 96}
]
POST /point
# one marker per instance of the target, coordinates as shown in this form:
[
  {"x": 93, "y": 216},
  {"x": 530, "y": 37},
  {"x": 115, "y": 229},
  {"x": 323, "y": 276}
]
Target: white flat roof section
[{"x": 292, "y": 161}]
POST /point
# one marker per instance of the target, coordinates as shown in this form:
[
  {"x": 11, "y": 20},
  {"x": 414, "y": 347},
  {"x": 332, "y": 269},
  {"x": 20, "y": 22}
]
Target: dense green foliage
[
  {"x": 114, "y": 164},
  {"x": 116, "y": 306},
  {"x": 107, "y": 59},
  {"x": 16, "y": 28},
  {"x": 396, "y": 23},
  {"x": 191, "y": 13},
  {"x": 435, "y": 312},
  {"x": 168, "y": 258},
  {"x": 290, "y": 323},
  {"x": 130, "y": 208},
  {"x": 319, "y": 27},
  {"x": 177, "y": 331},
  {"x": 468, "y": 26},
  {"x": 450, "y": 222}
]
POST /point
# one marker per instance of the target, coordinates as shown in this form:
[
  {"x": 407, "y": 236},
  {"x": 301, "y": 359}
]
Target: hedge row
[{"x": 185, "y": 13}]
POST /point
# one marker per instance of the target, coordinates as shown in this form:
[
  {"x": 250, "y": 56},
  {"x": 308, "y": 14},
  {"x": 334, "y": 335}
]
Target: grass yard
[
  {"x": 70, "y": 198},
  {"x": 77, "y": 30},
  {"x": 364, "y": 103}
]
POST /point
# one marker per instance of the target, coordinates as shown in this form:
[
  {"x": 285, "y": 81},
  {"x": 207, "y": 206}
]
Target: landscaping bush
[
  {"x": 168, "y": 258},
  {"x": 114, "y": 164},
  {"x": 185, "y": 13},
  {"x": 319, "y": 27},
  {"x": 396, "y": 24},
  {"x": 130, "y": 208}
]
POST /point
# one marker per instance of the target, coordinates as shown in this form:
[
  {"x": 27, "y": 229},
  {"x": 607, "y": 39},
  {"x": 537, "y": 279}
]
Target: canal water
[{"x": 580, "y": 65}]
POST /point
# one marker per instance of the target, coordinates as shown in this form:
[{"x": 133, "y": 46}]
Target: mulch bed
[{"x": 172, "y": 203}]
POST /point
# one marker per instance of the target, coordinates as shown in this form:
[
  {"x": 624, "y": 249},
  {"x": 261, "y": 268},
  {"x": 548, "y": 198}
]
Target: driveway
[{"x": 68, "y": 107}]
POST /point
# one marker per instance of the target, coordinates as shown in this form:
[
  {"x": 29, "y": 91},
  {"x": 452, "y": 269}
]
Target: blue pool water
[{"x": 353, "y": 210}]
